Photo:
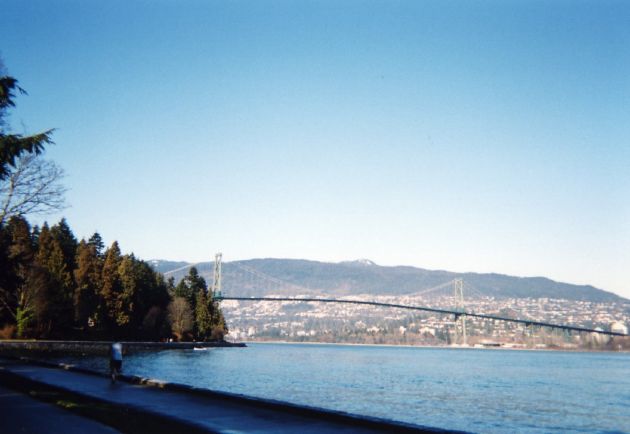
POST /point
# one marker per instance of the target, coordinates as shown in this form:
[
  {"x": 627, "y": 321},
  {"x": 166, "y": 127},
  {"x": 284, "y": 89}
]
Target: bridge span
[
  {"x": 459, "y": 312},
  {"x": 455, "y": 313}
]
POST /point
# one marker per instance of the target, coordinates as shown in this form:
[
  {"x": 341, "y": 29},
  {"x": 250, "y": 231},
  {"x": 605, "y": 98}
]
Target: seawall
[
  {"x": 186, "y": 408},
  {"x": 96, "y": 348}
]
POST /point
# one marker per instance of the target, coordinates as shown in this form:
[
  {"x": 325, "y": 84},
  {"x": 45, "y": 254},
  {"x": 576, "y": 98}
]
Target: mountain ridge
[{"x": 293, "y": 276}]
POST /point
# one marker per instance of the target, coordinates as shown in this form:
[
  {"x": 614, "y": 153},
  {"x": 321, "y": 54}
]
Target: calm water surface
[{"x": 474, "y": 390}]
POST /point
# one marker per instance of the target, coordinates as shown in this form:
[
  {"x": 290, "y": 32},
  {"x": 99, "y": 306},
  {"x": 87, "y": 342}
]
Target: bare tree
[
  {"x": 33, "y": 186},
  {"x": 180, "y": 316}
]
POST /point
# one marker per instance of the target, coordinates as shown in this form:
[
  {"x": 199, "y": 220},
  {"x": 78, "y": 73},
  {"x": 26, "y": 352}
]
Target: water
[{"x": 474, "y": 390}]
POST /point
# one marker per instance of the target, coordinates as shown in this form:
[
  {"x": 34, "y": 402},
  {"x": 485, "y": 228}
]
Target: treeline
[{"x": 55, "y": 287}]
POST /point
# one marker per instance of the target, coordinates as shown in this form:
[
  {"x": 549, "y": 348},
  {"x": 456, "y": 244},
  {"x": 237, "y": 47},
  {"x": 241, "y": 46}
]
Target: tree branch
[{"x": 32, "y": 187}]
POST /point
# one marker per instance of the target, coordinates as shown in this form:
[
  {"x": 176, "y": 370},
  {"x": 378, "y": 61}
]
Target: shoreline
[
  {"x": 99, "y": 348},
  {"x": 56, "y": 347},
  {"x": 444, "y": 347}
]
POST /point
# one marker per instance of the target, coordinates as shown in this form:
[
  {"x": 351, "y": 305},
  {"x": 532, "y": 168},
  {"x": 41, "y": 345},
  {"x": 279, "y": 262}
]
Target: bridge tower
[
  {"x": 458, "y": 288},
  {"x": 216, "y": 280}
]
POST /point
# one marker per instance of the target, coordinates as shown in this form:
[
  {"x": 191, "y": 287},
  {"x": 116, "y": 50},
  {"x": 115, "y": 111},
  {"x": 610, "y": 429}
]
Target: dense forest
[{"x": 53, "y": 286}]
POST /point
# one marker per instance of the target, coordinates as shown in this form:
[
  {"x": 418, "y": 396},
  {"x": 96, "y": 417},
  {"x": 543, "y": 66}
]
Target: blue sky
[{"x": 468, "y": 136}]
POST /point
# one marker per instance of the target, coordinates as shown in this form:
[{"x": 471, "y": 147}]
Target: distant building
[
  {"x": 619, "y": 327},
  {"x": 427, "y": 331}
]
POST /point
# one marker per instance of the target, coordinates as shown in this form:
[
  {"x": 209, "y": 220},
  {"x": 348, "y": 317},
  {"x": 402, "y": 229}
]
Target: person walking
[{"x": 115, "y": 360}]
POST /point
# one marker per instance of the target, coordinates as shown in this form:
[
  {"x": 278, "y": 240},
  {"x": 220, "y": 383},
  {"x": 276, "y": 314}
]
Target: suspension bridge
[{"x": 458, "y": 312}]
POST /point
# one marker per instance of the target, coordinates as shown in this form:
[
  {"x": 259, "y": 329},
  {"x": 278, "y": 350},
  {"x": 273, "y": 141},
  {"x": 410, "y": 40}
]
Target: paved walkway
[
  {"x": 25, "y": 415},
  {"x": 211, "y": 413}
]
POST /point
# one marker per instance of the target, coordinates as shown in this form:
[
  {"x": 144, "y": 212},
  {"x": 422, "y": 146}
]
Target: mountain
[{"x": 257, "y": 277}]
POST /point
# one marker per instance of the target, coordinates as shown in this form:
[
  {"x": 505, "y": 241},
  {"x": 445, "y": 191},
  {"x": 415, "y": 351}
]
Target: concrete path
[
  {"x": 206, "y": 412},
  {"x": 25, "y": 415}
]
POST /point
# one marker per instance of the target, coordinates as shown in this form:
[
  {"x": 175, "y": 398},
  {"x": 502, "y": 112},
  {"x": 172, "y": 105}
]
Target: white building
[{"x": 619, "y": 327}]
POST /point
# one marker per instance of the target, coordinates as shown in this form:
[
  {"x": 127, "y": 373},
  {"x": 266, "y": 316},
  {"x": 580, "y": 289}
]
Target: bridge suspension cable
[
  {"x": 185, "y": 267},
  {"x": 269, "y": 278},
  {"x": 434, "y": 288},
  {"x": 471, "y": 289}
]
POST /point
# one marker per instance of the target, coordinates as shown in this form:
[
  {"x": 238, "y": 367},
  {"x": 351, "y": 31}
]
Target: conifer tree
[
  {"x": 67, "y": 241},
  {"x": 190, "y": 286},
  {"x": 15, "y": 294},
  {"x": 110, "y": 289},
  {"x": 182, "y": 290},
  {"x": 170, "y": 286},
  {"x": 154, "y": 302},
  {"x": 151, "y": 289},
  {"x": 88, "y": 280},
  {"x": 21, "y": 249},
  {"x": 12, "y": 146},
  {"x": 96, "y": 241},
  {"x": 44, "y": 297},
  {"x": 125, "y": 304},
  {"x": 203, "y": 319},
  {"x": 56, "y": 299},
  {"x": 35, "y": 236},
  {"x": 6, "y": 315},
  {"x": 161, "y": 296},
  {"x": 219, "y": 327}
]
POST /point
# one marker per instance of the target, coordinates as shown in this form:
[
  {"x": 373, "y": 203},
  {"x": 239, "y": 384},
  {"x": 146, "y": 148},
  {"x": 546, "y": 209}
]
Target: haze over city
[{"x": 468, "y": 136}]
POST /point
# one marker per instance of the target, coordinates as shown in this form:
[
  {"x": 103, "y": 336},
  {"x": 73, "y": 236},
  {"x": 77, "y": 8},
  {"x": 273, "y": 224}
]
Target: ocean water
[{"x": 468, "y": 389}]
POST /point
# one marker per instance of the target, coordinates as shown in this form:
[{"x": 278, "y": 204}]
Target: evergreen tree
[
  {"x": 162, "y": 295},
  {"x": 170, "y": 286},
  {"x": 152, "y": 289},
  {"x": 88, "y": 280},
  {"x": 190, "y": 286},
  {"x": 154, "y": 296},
  {"x": 12, "y": 146},
  {"x": 182, "y": 290},
  {"x": 15, "y": 296},
  {"x": 22, "y": 249},
  {"x": 55, "y": 301},
  {"x": 35, "y": 236},
  {"x": 44, "y": 297},
  {"x": 219, "y": 327},
  {"x": 110, "y": 289},
  {"x": 22, "y": 253},
  {"x": 128, "y": 295},
  {"x": 203, "y": 319},
  {"x": 96, "y": 241},
  {"x": 67, "y": 241},
  {"x": 6, "y": 314}
]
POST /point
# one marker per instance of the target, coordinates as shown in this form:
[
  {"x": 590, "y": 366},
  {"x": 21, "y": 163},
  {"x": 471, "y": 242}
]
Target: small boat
[{"x": 200, "y": 349}]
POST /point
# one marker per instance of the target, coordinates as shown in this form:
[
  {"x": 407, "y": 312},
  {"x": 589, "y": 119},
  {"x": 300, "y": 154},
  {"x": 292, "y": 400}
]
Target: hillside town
[{"x": 348, "y": 323}]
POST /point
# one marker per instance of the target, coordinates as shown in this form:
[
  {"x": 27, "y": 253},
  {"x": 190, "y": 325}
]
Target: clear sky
[{"x": 460, "y": 135}]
